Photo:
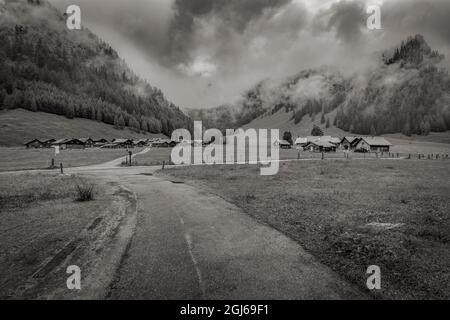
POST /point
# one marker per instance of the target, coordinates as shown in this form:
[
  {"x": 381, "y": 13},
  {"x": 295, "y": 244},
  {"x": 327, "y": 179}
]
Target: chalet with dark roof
[
  {"x": 68, "y": 143},
  {"x": 372, "y": 144}
]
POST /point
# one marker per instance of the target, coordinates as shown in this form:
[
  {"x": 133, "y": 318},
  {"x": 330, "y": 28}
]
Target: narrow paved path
[{"x": 190, "y": 244}]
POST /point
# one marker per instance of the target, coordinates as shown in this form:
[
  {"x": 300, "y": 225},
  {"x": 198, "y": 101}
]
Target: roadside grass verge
[
  {"x": 39, "y": 217},
  {"x": 22, "y": 190},
  {"x": 13, "y": 159},
  {"x": 352, "y": 214}
]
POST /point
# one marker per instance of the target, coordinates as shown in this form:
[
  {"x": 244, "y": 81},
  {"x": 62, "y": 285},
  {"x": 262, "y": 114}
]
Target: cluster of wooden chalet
[
  {"x": 332, "y": 144},
  {"x": 82, "y": 143},
  {"x": 311, "y": 143}
]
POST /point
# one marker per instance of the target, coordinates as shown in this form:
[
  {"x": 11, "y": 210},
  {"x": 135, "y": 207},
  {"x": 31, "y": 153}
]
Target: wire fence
[{"x": 293, "y": 154}]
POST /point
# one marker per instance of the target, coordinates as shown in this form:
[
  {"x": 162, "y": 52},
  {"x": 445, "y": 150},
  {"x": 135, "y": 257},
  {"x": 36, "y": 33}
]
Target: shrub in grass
[
  {"x": 84, "y": 191},
  {"x": 249, "y": 196}
]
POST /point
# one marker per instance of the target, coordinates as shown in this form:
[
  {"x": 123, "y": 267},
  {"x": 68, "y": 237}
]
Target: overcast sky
[{"x": 203, "y": 53}]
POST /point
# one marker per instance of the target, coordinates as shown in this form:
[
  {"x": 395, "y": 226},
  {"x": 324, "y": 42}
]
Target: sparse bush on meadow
[{"x": 84, "y": 191}]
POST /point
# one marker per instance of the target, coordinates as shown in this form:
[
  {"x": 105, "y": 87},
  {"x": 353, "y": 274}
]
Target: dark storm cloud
[
  {"x": 236, "y": 13},
  {"x": 226, "y": 16},
  {"x": 207, "y": 52},
  {"x": 346, "y": 19},
  {"x": 145, "y": 23}
]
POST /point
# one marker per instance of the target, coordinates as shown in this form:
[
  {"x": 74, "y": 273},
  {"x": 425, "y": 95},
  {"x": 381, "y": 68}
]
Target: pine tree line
[{"x": 43, "y": 69}]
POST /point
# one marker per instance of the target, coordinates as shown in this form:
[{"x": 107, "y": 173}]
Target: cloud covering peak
[{"x": 203, "y": 53}]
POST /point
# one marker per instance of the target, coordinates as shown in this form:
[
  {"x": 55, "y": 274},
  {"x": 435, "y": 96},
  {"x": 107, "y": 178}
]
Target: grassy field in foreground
[
  {"x": 22, "y": 159},
  {"x": 337, "y": 210},
  {"x": 39, "y": 216}
]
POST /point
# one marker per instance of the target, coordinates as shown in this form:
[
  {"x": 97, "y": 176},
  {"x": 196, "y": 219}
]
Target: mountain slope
[
  {"x": 46, "y": 67},
  {"x": 19, "y": 126},
  {"x": 406, "y": 93}
]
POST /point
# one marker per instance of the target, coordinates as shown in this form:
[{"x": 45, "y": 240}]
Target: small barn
[
  {"x": 109, "y": 146},
  {"x": 164, "y": 143},
  {"x": 335, "y": 140},
  {"x": 88, "y": 142},
  {"x": 40, "y": 143},
  {"x": 348, "y": 143},
  {"x": 320, "y": 146},
  {"x": 300, "y": 142},
  {"x": 373, "y": 144},
  {"x": 141, "y": 143},
  {"x": 98, "y": 142},
  {"x": 123, "y": 143},
  {"x": 48, "y": 142},
  {"x": 35, "y": 143},
  {"x": 68, "y": 143},
  {"x": 160, "y": 144},
  {"x": 283, "y": 144}
]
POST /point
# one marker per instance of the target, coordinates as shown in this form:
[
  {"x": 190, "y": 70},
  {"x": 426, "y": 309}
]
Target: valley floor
[
  {"x": 147, "y": 238},
  {"x": 20, "y": 158},
  {"x": 352, "y": 214},
  {"x": 224, "y": 231}
]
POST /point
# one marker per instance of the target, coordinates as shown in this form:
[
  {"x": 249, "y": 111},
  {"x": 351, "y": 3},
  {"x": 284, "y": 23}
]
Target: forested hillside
[
  {"x": 46, "y": 67},
  {"x": 407, "y": 92},
  {"x": 19, "y": 126}
]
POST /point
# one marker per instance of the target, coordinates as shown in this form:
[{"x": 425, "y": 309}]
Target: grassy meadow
[
  {"x": 20, "y": 158},
  {"x": 156, "y": 156},
  {"x": 352, "y": 214},
  {"x": 40, "y": 215}
]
